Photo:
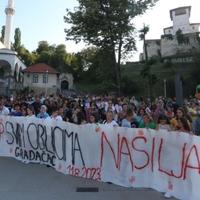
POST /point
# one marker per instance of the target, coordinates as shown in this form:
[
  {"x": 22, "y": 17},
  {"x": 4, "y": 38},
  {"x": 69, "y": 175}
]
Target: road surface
[{"x": 19, "y": 181}]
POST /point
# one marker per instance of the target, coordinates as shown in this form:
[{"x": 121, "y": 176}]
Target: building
[
  {"x": 10, "y": 65},
  {"x": 11, "y": 76},
  {"x": 14, "y": 75},
  {"x": 180, "y": 18},
  {"x": 42, "y": 78},
  {"x": 178, "y": 41}
]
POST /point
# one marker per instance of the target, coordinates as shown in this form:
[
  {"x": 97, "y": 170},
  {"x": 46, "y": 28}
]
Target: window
[
  {"x": 45, "y": 78},
  {"x": 180, "y": 12},
  {"x": 35, "y": 78}
]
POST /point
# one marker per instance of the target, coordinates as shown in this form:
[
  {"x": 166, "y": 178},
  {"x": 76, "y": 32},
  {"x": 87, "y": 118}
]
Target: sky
[{"x": 41, "y": 20}]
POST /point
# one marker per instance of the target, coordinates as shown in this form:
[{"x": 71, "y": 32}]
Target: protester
[
  {"x": 43, "y": 113},
  {"x": 117, "y": 111},
  {"x": 3, "y": 109},
  {"x": 147, "y": 122},
  {"x": 183, "y": 125},
  {"x": 36, "y": 104},
  {"x": 127, "y": 122},
  {"x": 163, "y": 123},
  {"x": 93, "y": 118},
  {"x": 30, "y": 112},
  {"x": 16, "y": 111},
  {"x": 180, "y": 113},
  {"x": 196, "y": 122},
  {"x": 55, "y": 115},
  {"x": 110, "y": 119},
  {"x": 78, "y": 116}
]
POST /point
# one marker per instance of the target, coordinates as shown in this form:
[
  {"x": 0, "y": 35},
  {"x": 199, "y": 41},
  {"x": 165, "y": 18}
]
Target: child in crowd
[
  {"x": 183, "y": 125},
  {"x": 126, "y": 122},
  {"x": 55, "y": 115},
  {"x": 110, "y": 119},
  {"x": 163, "y": 123},
  {"x": 43, "y": 113},
  {"x": 30, "y": 111},
  {"x": 147, "y": 122}
]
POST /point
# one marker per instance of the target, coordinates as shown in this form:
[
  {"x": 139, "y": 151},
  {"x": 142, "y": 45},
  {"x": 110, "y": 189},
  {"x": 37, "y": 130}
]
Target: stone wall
[{"x": 170, "y": 47}]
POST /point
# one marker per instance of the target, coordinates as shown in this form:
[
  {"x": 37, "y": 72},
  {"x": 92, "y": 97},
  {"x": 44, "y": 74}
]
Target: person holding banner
[
  {"x": 55, "y": 115},
  {"x": 128, "y": 120},
  {"x": 163, "y": 123},
  {"x": 16, "y": 112},
  {"x": 3, "y": 109},
  {"x": 183, "y": 125},
  {"x": 147, "y": 122},
  {"x": 30, "y": 112},
  {"x": 93, "y": 118},
  {"x": 43, "y": 113},
  {"x": 109, "y": 119},
  {"x": 180, "y": 113},
  {"x": 196, "y": 123}
]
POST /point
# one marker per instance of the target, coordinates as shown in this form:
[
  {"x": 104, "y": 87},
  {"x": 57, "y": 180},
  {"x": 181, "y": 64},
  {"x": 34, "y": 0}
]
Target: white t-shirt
[
  {"x": 4, "y": 111},
  {"x": 113, "y": 123},
  {"x": 57, "y": 118}
]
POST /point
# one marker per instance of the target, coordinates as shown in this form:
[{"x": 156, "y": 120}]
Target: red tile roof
[{"x": 40, "y": 68}]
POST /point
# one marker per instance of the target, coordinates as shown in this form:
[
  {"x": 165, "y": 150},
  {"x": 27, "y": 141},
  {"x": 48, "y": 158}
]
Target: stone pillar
[{"x": 8, "y": 28}]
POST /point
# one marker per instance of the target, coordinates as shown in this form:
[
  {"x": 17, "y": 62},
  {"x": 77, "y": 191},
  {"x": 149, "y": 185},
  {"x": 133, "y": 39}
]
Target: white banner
[{"x": 166, "y": 161}]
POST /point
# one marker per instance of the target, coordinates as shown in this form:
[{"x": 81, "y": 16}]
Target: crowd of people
[{"x": 130, "y": 112}]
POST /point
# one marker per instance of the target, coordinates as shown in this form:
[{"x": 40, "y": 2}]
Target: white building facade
[
  {"x": 180, "y": 18},
  {"x": 11, "y": 66},
  {"x": 42, "y": 78},
  {"x": 11, "y": 76},
  {"x": 169, "y": 45}
]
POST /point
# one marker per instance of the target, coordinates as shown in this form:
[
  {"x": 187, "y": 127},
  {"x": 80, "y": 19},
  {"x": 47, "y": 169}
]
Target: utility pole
[
  {"x": 46, "y": 82},
  {"x": 165, "y": 88},
  {"x": 179, "y": 89}
]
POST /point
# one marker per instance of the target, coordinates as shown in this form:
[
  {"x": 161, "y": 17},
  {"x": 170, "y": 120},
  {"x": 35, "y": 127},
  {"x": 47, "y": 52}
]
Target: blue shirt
[
  {"x": 43, "y": 115},
  {"x": 126, "y": 123}
]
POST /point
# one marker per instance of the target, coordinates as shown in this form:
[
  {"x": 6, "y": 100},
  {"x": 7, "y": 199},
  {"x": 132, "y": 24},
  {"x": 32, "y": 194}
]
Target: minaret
[{"x": 8, "y": 28}]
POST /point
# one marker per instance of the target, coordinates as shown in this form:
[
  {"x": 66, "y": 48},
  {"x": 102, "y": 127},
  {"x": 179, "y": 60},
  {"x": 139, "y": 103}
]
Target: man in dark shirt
[
  {"x": 196, "y": 124},
  {"x": 17, "y": 111},
  {"x": 37, "y": 104}
]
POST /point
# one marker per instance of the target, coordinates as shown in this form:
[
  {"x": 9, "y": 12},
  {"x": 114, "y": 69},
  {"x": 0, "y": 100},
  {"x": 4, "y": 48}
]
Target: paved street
[{"x": 19, "y": 181}]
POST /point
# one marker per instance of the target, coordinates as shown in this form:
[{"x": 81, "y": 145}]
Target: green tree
[
  {"x": 92, "y": 65},
  {"x": 59, "y": 58},
  {"x": 2, "y": 34},
  {"x": 106, "y": 24},
  {"x": 17, "y": 39},
  {"x": 142, "y": 36},
  {"x": 27, "y": 57},
  {"x": 55, "y": 56},
  {"x": 149, "y": 77},
  {"x": 45, "y": 53},
  {"x": 42, "y": 46},
  {"x": 196, "y": 70}
]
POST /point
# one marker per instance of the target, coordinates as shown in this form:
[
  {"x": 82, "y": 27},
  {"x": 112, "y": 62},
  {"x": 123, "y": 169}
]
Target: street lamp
[
  {"x": 165, "y": 88},
  {"x": 46, "y": 81}
]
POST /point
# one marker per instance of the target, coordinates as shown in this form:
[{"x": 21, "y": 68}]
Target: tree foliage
[
  {"x": 106, "y": 24},
  {"x": 27, "y": 57},
  {"x": 142, "y": 36},
  {"x": 17, "y": 39},
  {"x": 55, "y": 56},
  {"x": 149, "y": 77},
  {"x": 2, "y": 34},
  {"x": 194, "y": 73}
]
